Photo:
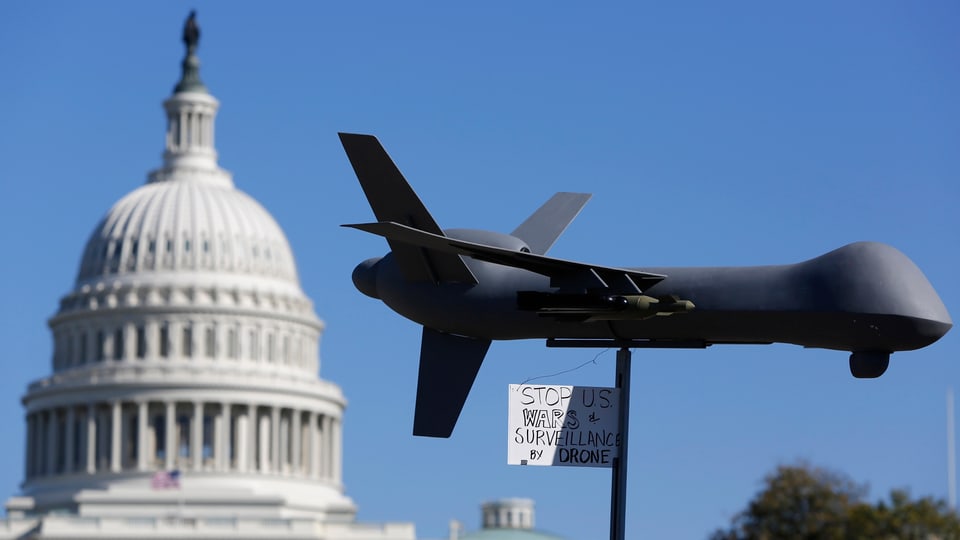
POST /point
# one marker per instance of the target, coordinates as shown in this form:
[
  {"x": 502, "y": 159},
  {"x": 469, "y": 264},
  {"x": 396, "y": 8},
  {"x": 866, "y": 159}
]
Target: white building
[
  {"x": 186, "y": 354},
  {"x": 503, "y": 519}
]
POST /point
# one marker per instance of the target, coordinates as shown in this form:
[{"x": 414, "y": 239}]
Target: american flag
[{"x": 166, "y": 480}]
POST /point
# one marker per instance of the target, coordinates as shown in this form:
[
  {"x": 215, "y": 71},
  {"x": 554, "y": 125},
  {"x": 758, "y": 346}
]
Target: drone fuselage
[{"x": 861, "y": 297}]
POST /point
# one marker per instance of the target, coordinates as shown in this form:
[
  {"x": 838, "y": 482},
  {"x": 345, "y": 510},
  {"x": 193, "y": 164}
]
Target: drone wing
[{"x": 562, "y": 273}]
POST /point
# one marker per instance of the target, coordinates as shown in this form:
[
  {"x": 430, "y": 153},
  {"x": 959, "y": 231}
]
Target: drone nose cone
[{"x": 365, "y": 277}]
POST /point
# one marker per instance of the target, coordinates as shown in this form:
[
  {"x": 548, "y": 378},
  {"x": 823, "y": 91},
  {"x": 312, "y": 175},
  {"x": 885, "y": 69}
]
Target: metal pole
[
  {"x": 951, "y": 454},
  {"x": 618, "y": 492}
]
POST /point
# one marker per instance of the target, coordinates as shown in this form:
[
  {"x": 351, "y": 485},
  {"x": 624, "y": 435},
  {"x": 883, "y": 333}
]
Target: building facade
[
  {"x": 185, "y": 400},
  {"x": 503, "y": 519}
]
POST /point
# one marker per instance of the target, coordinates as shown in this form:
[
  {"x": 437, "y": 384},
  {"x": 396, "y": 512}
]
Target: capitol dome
[
  {"x": 216, "y": 228},
  {"x": 185, "y": 397}
]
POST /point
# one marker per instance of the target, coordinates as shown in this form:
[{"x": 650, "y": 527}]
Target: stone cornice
[
  {"x": 185, "y": 312},
  {"x": 104, "y": 383}
]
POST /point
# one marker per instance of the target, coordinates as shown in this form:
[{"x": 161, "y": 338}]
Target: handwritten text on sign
[{"x": 573, "y": 426}]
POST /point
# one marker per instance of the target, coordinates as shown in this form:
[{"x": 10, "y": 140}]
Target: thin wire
[{"x": 591, "y": 361}]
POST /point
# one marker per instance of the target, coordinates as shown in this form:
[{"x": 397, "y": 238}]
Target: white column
[
  {"x": 209, "y": 118},
  {"x": 31, "y": 448},
  {"x": 115, "y": 423},
  {"x": 33, "y": 445},
  {"x": 142, "y": 450},
  {"x": 91, "y": 439},
  {"x": 336, "y": 445},
  {"x": 153, "y": 442},
  {"x": 196, "y": 443},
  {"x": 338, "y": 452},
  {"x": 103, "y": 440},
  {"x": 216, "y": 444},
  {"x": 284, "y": 442},
  {"x": 195, "y": 130},
  {"x": 174, "y": 327},
  {"x": 242, "y": 441},
  {"x": 295, "y": 441},
  {"x": 171, "y": 442},
  {"x": 39, "y": 436},
  {"x": 151, "y": 331},
  {"x": 252, "y": 425},
  {"x": 326, "y": 432},
  {"x": 68, "y": 448},
  {"x": 226, "y": 440},
  {"x": 39, "y": 443},
  {"x": 127, "y": 438},
  {"x": 129, "y": 351},
  {"x": 263, "y": 429},
  {"x": 36, "y": 444},
  {"x": 52, "y": 442},
  {"x": 314, "y": 446},
  {"x": 182, "y": 131},
  {"x": 275, "y": 455},
  {"x": 81, "y": 463},
  {"x": 39, "y": 440}
]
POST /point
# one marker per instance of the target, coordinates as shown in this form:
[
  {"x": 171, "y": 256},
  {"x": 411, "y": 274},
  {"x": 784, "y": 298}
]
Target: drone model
[{"x": 470, "y": 287}]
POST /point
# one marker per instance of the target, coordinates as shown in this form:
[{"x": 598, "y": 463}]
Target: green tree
[
  {"x": 797, "y": 502},
  {"x": 801, "y": 502},
  {"x": 903, "y": 519}
]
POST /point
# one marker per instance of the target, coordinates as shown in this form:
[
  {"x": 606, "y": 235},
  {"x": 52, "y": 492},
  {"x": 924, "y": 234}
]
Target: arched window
[
  {"x": 115, "y": 255},
  {"x": 118, "y": 344},
  {"x": 187, "y": 342},
  {"x": 210, "y": 341},
  {"x": 164, "y": 340},
  {"x": 101, "y": 341},
  {"x": 254, "y": 345},
  {"x": 232, "y": 345},
  {"x": 57, "y": 356},
  {"x": 83, "y": 347},
  {"x": 141, "y": 342},
  {"x": 172, "y": 132},
  {"x": 69, "y": 354},
  {"x": 132, "y": 258}
]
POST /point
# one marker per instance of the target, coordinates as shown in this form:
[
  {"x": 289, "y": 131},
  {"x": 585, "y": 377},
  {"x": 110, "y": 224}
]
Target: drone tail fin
[
  {"x": 544, "y": 226},
  {"x": 448, "y": 367}
]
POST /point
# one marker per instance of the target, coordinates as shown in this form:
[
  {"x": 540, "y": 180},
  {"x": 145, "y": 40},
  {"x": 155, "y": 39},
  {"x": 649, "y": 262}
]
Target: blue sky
[{"x": 710, "y": 133}]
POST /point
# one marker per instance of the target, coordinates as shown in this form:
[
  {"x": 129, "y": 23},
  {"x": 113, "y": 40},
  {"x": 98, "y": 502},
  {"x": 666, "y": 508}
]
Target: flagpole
[
  {"x": 951, "y": 454},
  {"x": 180, "y": 501}
]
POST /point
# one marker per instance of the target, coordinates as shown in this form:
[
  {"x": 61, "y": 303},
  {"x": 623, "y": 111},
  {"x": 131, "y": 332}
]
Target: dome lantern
[{"x": 191, "y": 111}]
